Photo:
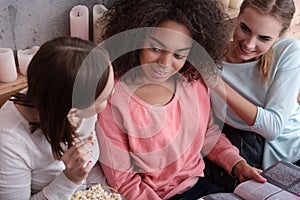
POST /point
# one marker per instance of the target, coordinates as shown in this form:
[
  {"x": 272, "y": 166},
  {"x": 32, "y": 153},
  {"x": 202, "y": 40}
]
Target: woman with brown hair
[{"x": 46, "y": 133}]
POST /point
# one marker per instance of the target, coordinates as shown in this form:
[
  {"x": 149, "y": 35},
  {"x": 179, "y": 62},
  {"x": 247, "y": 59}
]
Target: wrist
[
  {"x": 237, "y": 168},
  {"x": 73, "y": 180}
]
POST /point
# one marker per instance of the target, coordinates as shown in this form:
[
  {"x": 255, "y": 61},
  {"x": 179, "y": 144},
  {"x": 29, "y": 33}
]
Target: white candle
[
  {"x": 235, "y": 4},
  {"x": 24, "y": 58},
  {"x": 8, "y": 70},
  {"x": 223, "y": 4},
  {"x": 98, "y": 11},
  {"x": 79, "y": 22}
]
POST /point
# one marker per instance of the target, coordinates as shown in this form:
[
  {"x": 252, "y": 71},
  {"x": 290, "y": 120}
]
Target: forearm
[
  {"x": 60, "y": 188},
  {"x": 241, "y": 106},
  {"x": 129, "y": 184}
]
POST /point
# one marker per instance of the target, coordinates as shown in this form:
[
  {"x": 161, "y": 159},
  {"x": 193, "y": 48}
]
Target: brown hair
[
  {"x": 203, "y": 18},
  {"x": 283, "y": 11},
  {"x": 52, "y": 73}
]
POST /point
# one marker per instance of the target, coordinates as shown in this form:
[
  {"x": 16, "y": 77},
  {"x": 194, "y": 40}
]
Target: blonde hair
[{"x": 265, "y": 65}]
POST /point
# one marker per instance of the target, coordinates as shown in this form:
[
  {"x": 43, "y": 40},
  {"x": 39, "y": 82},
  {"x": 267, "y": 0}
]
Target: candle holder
[
  {"x": 223, "y": 5},
  {"x": 8, "y": 70},
  {"x": 98, "y": 25},
  {"x": 235, "y": 4},
  {"x": 24, "y": 58},
  {"x": 79, "y": 22}
]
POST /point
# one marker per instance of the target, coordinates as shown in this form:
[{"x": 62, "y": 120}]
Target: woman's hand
[
  {"x": 211, "y": 77},
  {"x": 245, "y": 172},
  {"x": 77, "y": 160}
]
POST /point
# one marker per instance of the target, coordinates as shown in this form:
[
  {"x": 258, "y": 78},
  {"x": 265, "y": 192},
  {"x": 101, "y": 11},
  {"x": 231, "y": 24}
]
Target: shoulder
[
  {"x": 10, "y": 117},
  {"x": 195, "y": 84},
  {"x": 194, "y": 92},
  {"x": 286, "y": 53},
  {"x": 12, "y": 125},
  {"x": 287, "y": 45}
]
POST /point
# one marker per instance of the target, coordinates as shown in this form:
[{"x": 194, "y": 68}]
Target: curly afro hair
[{"x": 208, "y": 24}]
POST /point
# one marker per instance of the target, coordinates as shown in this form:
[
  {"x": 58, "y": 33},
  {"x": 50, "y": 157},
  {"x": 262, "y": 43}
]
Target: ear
[
  {"x": 72, "y": 112},
  {"x": 75, "y": 121}
]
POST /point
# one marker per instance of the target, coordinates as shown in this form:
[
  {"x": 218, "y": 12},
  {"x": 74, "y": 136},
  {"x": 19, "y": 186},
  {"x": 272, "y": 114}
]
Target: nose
[
  {"x": 165, "y": 59},
  {"x": 250, "y": 43}
]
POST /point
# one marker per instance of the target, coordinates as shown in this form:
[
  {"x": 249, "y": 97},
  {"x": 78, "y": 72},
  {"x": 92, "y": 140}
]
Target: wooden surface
[{"x": 7, "y": 89}]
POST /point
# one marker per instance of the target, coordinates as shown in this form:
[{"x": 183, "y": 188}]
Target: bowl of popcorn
[{"x": 97, "y": 192}]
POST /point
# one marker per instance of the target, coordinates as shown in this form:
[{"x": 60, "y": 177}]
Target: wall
[
  {"x": 25, "y": 23},
  {"x": 295, "y": 24}
]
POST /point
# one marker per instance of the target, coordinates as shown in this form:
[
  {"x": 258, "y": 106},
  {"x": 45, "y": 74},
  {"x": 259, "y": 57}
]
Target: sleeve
[
  {"x": 96, "y": 176},
  {"x": 15, "y": 174},
  {"x": 219, "y": 149},
  {"x": 116, "y": 161},
  {"x": 282, "y": 95},
  {"x": 60, "y": 188}
]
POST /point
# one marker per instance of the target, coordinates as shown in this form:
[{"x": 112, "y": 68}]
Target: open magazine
[{"x": 283, "y": 182}]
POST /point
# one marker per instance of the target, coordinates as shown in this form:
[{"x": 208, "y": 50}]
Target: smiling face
[
  {"x": 254, "y": 35},
  {"x": 165, "y": 51}
]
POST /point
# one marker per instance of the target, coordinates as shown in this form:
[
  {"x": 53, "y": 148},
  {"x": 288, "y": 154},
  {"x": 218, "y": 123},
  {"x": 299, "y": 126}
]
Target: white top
[{"x": 27, "y": 168}]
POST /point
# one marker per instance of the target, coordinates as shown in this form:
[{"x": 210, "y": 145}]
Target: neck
[
  {"x": 29, "y": 113},
  {"x": 154, "y": 93}
]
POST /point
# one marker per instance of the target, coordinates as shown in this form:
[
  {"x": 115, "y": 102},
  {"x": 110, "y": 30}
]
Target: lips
[
  {"x": 245, "y": 51},
  {"x": 157, "y": 73}
]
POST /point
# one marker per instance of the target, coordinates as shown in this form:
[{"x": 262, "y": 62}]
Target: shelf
[{"x": 7, "y": 89}]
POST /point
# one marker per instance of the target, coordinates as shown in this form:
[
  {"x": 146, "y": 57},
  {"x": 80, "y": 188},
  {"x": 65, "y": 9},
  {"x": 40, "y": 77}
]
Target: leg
[
  {"x": 202, "y": 188},
  {"x": 219, "y": 176},
  {"x": 297, "y": 163},
  {"x": 251, "y": 147}
]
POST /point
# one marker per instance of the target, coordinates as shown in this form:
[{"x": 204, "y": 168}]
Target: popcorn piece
[{"x": 95, "y": 193}]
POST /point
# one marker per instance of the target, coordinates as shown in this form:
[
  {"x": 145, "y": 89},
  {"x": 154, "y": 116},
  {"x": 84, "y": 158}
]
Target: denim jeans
[
  {"x": 202, "y": 188},
  {"x": 251, "y": 147},
  {"x": 297, "y": 163}
]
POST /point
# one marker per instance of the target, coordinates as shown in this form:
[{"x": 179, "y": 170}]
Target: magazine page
[
  {"x": 284, "y": 175},
  {"x": 223, "y": 196},
  {"x": 283, "y": 182},
  {"x": 251, "y": 190},
  {"x": 261, "y": 191}
]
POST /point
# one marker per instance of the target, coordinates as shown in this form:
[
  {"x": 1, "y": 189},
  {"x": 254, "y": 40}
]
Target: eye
[
  {"x": 178, "y": 56},
  {"x": 156, "y": 49},
  {"x": 265, "y": 38},
  {"x": 245, "y": 28}
]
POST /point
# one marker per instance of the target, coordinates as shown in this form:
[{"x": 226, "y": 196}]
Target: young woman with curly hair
[{"x": 157, "y": 126}]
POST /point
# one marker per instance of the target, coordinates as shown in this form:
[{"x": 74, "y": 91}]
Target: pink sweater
[{"x": 155, "y": 152}]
